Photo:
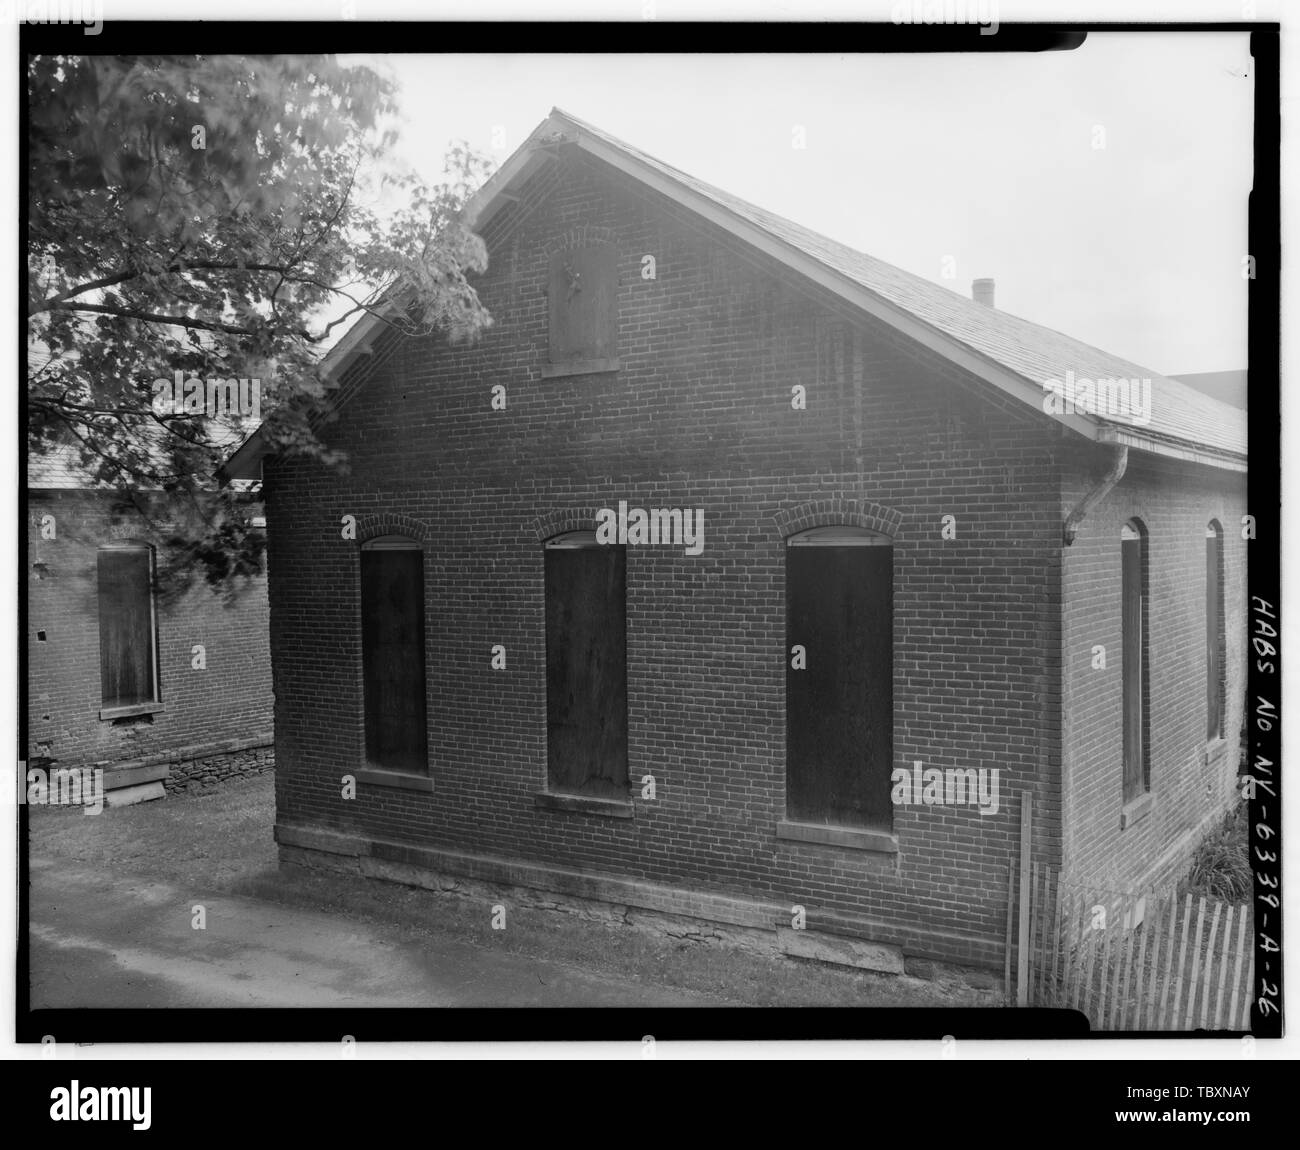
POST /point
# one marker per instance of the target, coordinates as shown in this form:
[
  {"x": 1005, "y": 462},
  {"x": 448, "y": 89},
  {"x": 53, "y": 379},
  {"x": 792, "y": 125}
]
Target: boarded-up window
[
  {"x": 586, "y": 666},
  {"x": 128, "y": 649},
  {"x": 1214, "y": 631},
  {"x": 1133, "y": 578},
  {"x": 839, "y": 684},
  {"x": 392, "y": 654},
  {"x": 582, "y": 286}
]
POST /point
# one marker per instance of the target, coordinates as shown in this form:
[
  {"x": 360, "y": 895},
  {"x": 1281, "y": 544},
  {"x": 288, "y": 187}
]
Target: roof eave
[
  {"x": 246, "y": 462},
  {"x": 1172, "y": 449},
  {"x": 521, "y": 165}
]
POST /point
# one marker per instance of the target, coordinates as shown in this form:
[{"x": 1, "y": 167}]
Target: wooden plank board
[
  {"x": 1166, "y": 983},
  {"x": 1149, "y": 920},
  {"x": 1174, "y": 1016},
  {"x": 1249, "y": 996},
  {"x": 1026, "y": 828},
  {"x": 1207, "y": 975},
  {"x": 1091, "y": 943},
  {"x": 1056, "y": 938},
  {"x": 1236, "y": 974},
  {"x": 393, "y": 667},
  {"x": 1035, "y": 913},
  {"x": 1107, "y": 936},
  {"x": 586, "y": 670},
  {"x": 126, "y": 630},
  {"x": 1224, "y": 962},
  {"x": 1074, "y": 952},
  {"x": 1130, "y": 939},
  {"x": 839, "y": 705},
  {"x": 1123, "y": 958},
  {"x": 1011, "y": 907},
  {"x": 1190, "y": 1018},
  {"x": 582, "y": 289},
  {"x": 1117, "y": 938},
  {"x": 1044, "y": 939}
]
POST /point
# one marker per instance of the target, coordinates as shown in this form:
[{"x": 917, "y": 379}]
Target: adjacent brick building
[
  {"x": 165, "y": 686},
  {"x": 476, "y": 683}
]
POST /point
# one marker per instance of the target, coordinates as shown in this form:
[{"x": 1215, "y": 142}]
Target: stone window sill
[
  {"x": 578, "y": 367},
  {"x": 1215, "y": 749},
  {"x": 397, "y": 780},
  {"x": 128, "y": 712},
  {"x": 1135, "y": 811},
  {"x": 854, "y": 838},
  {"x": 584, "y": 805}
]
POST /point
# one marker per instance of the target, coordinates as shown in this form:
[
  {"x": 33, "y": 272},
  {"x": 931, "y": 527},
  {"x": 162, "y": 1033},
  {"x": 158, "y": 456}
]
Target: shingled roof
[
  {"x": 1009, "y": 352},
  {"x": 59, "y": 467}
]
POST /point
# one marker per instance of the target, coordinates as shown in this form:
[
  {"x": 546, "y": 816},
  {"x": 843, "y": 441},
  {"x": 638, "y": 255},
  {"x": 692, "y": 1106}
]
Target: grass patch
[{"x": 1220, "y": 868}]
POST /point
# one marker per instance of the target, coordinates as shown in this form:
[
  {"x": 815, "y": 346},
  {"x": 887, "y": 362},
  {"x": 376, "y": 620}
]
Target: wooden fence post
[
  {"x": 1022, "y": 954},
  {"x": 1011, "y": 910}
]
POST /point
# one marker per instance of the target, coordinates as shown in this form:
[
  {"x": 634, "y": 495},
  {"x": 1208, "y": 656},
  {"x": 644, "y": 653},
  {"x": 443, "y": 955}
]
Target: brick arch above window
[
  {"x": 126, "y": 542},
  {"x": 838, "y": 513},
  {"x": 560, "y": 522},
  {"x": 585, "y": 235},
  {"x": 390, "y": 523}
]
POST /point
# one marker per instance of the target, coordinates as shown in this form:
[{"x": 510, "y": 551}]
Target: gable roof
[
  {"x": 1226, "y": 386},
  {"x": 1013, "y": 354},
  {"x": 61, "y": 467}
]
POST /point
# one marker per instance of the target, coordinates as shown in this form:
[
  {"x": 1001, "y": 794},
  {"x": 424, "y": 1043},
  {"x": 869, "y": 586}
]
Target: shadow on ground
[{"x": 117, "y": 900}]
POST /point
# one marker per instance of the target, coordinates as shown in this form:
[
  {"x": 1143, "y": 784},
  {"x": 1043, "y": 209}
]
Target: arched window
[
  {"x": 1215, "y": 653},
  {"x": 1136, "y": 658},
  {"x": 586, "y": 666},
  {"x": 392, "y": 654},
  {"x": 128, "y": 630},
  {"x": 839, "y": 677}
]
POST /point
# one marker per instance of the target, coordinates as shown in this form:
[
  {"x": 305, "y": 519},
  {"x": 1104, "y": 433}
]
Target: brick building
[
  {"x": 874, "y": 545},
  {"x": 165, "y": 685}
]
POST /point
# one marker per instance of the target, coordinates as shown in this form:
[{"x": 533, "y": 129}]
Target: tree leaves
[{"x": 212, "y": 215}]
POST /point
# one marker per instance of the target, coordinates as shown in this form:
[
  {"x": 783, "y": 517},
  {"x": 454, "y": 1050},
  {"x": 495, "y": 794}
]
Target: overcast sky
[{"x": 989, "y": 159}]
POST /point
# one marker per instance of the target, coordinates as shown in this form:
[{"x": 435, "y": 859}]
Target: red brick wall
[
  {"x": 1191, "y": 780},
  {"x": 699, "y": 416},
  {"x": 230, "y": 699}
]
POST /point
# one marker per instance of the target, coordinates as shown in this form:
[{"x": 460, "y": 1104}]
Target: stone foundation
[
  {"x": 194, "y": 769},
  {"x": 201, "y": 775},
  {"x": 693, "y": 917}
]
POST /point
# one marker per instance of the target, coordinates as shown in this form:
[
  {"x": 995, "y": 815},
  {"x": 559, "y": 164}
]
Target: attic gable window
[{"x": 582, "y": 286}]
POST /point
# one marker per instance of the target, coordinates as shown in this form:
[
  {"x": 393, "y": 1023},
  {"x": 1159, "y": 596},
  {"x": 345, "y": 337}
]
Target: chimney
[{"x": 981, "y": 291}]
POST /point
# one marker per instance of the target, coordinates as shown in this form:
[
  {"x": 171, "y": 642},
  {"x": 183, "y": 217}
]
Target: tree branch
[{"x": 154, "y": 317}]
